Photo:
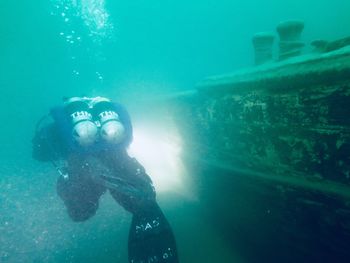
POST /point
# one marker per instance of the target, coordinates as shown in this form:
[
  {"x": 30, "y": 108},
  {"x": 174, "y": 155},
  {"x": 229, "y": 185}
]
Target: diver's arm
[{"x": 46, "y": 144}]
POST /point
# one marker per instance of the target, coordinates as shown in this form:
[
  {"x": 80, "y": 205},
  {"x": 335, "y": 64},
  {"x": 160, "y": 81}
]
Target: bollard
[
  {"x": 290, "y": 44},
  {"x": 263, "y": 45}
]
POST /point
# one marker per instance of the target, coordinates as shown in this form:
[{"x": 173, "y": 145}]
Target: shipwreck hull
[{"x": 269, "y": 148}]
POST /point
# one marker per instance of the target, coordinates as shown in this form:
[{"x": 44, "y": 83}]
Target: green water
[{"x": 134, "y": 52}]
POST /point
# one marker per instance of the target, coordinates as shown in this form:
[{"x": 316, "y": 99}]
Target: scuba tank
[
  {"x": 112, "y": 131},
  {"x": 84, "y": 130}
]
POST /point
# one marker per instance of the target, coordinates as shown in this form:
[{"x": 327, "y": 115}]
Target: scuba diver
[{"x": 91, "y": 136}]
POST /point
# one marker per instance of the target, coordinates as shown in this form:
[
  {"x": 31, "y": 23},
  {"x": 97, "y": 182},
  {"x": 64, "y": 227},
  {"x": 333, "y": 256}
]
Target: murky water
[{"x": 138, "y": 53}]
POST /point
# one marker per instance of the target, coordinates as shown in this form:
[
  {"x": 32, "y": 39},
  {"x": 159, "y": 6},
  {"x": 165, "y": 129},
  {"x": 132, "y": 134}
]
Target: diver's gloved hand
[{"x": 111, "y": 178}]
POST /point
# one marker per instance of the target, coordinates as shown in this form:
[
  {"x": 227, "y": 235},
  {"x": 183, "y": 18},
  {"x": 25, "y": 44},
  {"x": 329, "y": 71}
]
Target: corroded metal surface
[
  {"x": 289, "y": 122},
  {"x": 269, "y": 148}
]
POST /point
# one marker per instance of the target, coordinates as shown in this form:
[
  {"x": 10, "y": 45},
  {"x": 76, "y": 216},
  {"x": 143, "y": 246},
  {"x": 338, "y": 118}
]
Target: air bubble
[{"x": 99, "y": 76}]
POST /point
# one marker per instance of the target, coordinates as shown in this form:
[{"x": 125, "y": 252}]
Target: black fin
[{"x": 151, "y": 238}]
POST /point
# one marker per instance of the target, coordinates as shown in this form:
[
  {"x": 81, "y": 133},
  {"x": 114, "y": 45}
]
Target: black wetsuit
[{"x": 90, "y": 173}]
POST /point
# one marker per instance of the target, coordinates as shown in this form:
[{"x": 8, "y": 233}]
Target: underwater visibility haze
[{"x": 154, "y": 57}]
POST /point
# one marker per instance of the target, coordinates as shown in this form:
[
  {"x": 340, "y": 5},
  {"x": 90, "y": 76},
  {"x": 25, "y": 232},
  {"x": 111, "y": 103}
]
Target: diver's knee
[{"x": 78, "y": 216}]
